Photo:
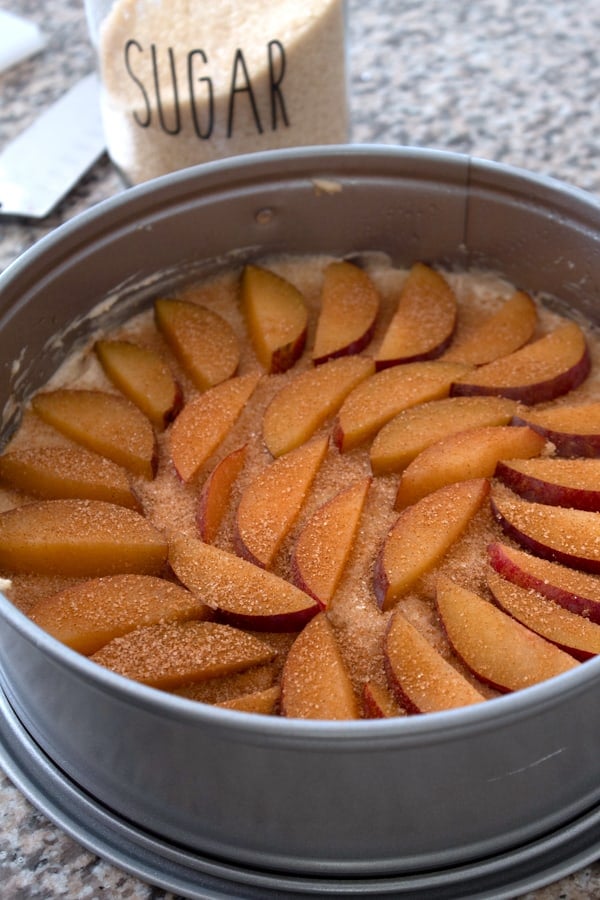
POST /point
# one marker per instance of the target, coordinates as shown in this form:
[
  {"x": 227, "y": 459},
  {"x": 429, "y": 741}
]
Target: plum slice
[
  {"x": 103, "y": 423},
  {"x": 308, "y": 400},
  {"x": 322, "y": 691},
  {"x": 564, "y": 535},
  {"x": 553, "y": 480},
  {"x": 419, "y": 676},
  {"x": 379, "y": 702},
  {"x": 215, "y": 495},
  {"x": 499, "y": 334},
  {"x": 204, "y": 423},
  {"x": 326, "y": 540},
  {"x": 55, "y": 473},
  {"x": 424, "y": 321},
  {"x": 577, "y": 591},
  {"x": 276, "y": 316},
  {"x": 574, "y": 430},
  {"x": 416, "y": 428},
  {"x": 271, "y": 502},
  {"x": 243, "y": 594},
  {"x": 79, "y": 538},
  {"x": 538, "y": 372},
  {"x": 422, "y": 535},
  {"x": 167, "y": 656},
  {"x": 204, "y": 344},
  {"x": 260, "y": 702},
  {"x": 494, "y": 646},
  {"x": 573, "y": 633},
  {"x": 89, "y": 614},
  {"x": 467, "y": 454},
  {"x": 383, "y": 395},
  {"x": 144, "y": 377},
  {"x": 349, "y": 307}
]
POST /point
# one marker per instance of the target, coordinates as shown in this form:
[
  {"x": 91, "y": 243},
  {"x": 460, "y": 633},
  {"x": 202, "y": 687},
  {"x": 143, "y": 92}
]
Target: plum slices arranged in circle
[{"x": 317, "y": 488}]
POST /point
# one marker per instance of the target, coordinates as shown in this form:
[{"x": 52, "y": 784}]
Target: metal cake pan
[
  {"x": 327, "y": 800},
  {"x": 200, "y": 877}
]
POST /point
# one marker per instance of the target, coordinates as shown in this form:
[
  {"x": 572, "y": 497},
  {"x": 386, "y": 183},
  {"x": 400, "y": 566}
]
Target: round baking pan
[
  {"x": 365, "y": 803},
  {"x": 115, "y": 839}
]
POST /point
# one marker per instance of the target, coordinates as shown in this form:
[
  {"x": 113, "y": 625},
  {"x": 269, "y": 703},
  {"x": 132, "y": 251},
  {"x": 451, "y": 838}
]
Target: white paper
[
  {"x": 43, "y": 163},
  {"x": 18, "y": 39}
]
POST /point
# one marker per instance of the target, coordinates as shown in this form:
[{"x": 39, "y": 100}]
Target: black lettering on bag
[
  {"x": 245, "y": 88},
  {"x": 275, "y": 80},
  {"x": 176, "y": 128},
  {"x": 210, "y": 103},
  {"x": 143, "y": 122}
]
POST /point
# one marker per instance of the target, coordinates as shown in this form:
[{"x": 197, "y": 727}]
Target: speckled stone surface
[{"x": 517, "y": 81}]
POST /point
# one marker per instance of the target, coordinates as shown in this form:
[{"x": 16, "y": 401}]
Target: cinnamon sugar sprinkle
[{"x": 217, "y": 661}]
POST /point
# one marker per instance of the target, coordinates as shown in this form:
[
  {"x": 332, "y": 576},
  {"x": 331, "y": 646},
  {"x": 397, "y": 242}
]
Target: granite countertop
[{"x": 512, "y": 80}]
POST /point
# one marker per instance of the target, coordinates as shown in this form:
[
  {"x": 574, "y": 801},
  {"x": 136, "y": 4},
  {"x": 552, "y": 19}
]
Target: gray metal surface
[
  {"x": 202, "y": 878},
  {"x": 377, "y": 799}
]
